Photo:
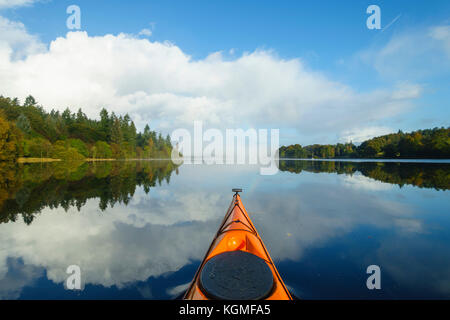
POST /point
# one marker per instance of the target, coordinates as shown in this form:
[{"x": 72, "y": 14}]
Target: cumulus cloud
[
  {"x": 109, "y": 250},
  {"x": 145, "y": 32},
  {"x": 16, "y": 42},
  {"x": 16, "y": 276},
  {"x": 362, "y": 134},
  {"x": 157, "y": 82},
  {"x": 177, "y": 290},
  {"x": 361, "y": 182}
]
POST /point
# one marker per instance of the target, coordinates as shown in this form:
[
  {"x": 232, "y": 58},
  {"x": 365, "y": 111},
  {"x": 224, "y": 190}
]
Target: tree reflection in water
[
  {"x": 422, "y": 175},
  {"x": 25, "y": 189}
]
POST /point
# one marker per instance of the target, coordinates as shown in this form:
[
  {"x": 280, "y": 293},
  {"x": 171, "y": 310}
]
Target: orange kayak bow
[{"x": 237, "y": 265}]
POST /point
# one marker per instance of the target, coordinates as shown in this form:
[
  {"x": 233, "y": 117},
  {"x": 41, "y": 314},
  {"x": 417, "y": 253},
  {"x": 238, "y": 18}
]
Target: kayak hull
[{"x": 237, "y": 233}]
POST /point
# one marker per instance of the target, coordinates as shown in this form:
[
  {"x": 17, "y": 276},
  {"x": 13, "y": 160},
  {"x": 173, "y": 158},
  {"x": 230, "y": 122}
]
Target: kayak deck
[{"x": 237, "y": 265}]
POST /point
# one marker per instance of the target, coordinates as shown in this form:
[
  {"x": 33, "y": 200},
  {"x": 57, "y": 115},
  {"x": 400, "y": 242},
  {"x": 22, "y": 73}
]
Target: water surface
[{"x": 138, "y": 230}]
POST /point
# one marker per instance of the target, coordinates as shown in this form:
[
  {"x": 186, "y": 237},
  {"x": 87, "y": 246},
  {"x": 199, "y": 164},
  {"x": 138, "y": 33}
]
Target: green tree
[
  {"x": 103, "y": 150},
  {"x": 23, "y": 124},
  {"x": 116, "y": 131},
  {"x": 37, "y": 148},
  {"x": 80, "y": 146},
  {"x": 30, "y": 101},
  {"x": 54, "y": 133},
  {"x": 105, "y": 124}
]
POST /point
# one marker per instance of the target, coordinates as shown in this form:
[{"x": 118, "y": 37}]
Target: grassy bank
[
  {"x": 33, "y": 160},
  {"x": 95, "y": 159}
]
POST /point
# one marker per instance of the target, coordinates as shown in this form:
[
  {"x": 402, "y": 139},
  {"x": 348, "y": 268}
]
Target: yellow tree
[
  {"x": 9, "y": 140},
  {"x": 148, "y": 149}
]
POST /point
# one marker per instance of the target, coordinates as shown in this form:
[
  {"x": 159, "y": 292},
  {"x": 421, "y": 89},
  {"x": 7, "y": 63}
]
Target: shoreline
[
  {"x": 403, "y": 160},
  {"x": 42, "y": 160}
]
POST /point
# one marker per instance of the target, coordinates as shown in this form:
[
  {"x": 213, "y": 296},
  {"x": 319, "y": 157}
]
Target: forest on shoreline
[
  {"x": 420, "y": 144},
  {"x": 28, "y": 131}
]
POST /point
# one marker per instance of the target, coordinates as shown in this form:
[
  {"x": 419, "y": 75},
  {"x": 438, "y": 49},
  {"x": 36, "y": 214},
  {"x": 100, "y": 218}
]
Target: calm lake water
[{"x": 138, "y": 230}]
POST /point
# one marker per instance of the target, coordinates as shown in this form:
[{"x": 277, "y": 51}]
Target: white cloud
[
  {"x": 414, "y": 55},
  {"x": 362, "y": 134},
  {"x": 158, "y": 82},
  {"x": 15, "y": 3},
  {"x": 361, "y": 182},
  {"x": 145, "y": 32},
  {"x": 177, "y": 290},
  {"x": 16, "y": 42},
  {"x": 442, "y": 33},
  {"x": 16, "y": 278}
]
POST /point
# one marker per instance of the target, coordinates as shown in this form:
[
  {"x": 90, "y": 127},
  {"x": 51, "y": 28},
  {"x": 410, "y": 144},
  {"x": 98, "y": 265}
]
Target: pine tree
[
  {"x": 23, "y": 124},
  {"x": 30, "y": 101},
  {"x": 105, "y": 124},
  {"x": 116, "y": 131}
]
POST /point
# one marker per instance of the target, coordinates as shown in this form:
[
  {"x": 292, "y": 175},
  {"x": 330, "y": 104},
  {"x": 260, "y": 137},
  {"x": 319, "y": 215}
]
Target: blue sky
[{"x": 330, "y": 38}]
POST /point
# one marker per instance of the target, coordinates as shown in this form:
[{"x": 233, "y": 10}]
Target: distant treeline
[
  {"x": 421, "y": 144},
  {"x": 27, "y": 130}
]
